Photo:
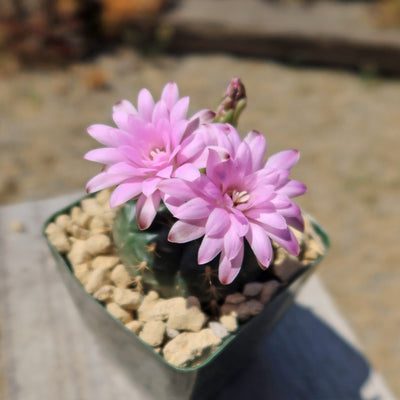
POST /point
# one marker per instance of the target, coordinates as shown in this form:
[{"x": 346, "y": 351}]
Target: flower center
[
  {"x": 153, "y": 153},
  {"x": 240, "y": 197}
]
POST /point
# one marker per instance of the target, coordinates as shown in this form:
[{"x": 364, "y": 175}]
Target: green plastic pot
[{"x": 151, "y": 374}]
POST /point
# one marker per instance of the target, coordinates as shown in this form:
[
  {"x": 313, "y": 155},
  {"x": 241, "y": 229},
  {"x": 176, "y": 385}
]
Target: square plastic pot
[{"x": 151, "y": 374}]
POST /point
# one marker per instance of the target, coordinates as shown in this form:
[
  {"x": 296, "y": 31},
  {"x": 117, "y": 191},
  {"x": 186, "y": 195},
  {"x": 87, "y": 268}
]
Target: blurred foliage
[{"x": 44, "y": 32}]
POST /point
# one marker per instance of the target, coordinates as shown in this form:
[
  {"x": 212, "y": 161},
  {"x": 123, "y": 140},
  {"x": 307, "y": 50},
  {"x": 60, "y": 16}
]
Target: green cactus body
[
  {"x": 171, "y": 269},
  {"x": 148, "y": 255}
]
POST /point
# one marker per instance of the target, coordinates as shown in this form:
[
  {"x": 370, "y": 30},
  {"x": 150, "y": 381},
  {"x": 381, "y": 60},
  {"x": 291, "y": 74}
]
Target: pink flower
[
  {"x": 239, "y": 197},
  {"x": 151, "y": 143}
]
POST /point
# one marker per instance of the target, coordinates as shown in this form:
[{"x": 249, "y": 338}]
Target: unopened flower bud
[{"x": 232, "y": 104}]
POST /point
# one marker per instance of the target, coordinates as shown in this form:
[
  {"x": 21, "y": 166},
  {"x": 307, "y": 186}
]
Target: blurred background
[{"x": 321, "y": 76}]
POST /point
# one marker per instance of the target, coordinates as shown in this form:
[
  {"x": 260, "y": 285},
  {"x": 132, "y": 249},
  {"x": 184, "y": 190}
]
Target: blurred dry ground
[{"x": 346, "y": 127}]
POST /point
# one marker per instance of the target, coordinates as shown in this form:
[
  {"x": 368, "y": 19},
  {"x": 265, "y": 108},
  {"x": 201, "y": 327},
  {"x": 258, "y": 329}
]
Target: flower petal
[
  {"x": 283, "y": 160},
  {"x": 207, "y": 188},
  {"x": 125, "y": 191},
  {"x": 218, "y": 222},
  {"x": 189, "y": 128},
  {"x": 145, "y": 104},
  {"x": 293, "y": 216},
  {"x": 233, "y": 243},
  {"x": 239, "y": 222},
  {"x": 170, "y": 94},
  {"x": 192, "y": 148},
  {"x": 205, "y": 116},
  {"x": 105, "y": 155},
  {"x": 296, "y": 222},
  {"x": 176, "y": 189},
  {"x": 146, "y": 209},
  {"x": 209, "y": 249},
  {"x": 281, "y": 201},
  {"x": 103, "y": 134},
  {"x": 166, "y": 172},
  {"x": 272, "y": 219},
  {"x": 104, "y": 180},
  {"x": 149, "y": 186},
  {"x": 122, "y": 119},
  {"x": 179, "y": 110},
  {"x": 187, "y": 172},
  {"x": 228, "y": 269},
  {"x": 183, "y": 231},
  {"x": 124, "y": 168},
  {"x": 260, "y": 244},
  {"x": 160, "y": 112},
  {"x": 258, "y": 148},
  {"x": 293, "y": 188},
  {"x": 243, "y": 159},
  {"x": 233, "y": 136},
  {"x": 286, "y": 239},
  {"x": 133, "y": 154},
  {"x": 125, "y": 106},
  {"x": 196, "y": 208},
  {"x": 217, "y": 169}
]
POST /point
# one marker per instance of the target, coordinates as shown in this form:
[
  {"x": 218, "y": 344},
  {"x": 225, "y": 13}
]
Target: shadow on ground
[{"x": 332, "y": 369}]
